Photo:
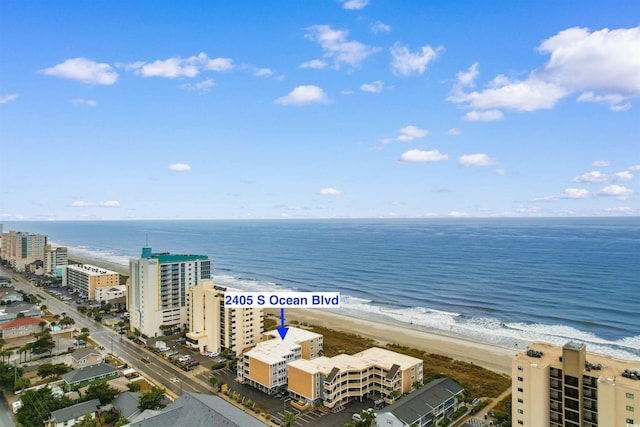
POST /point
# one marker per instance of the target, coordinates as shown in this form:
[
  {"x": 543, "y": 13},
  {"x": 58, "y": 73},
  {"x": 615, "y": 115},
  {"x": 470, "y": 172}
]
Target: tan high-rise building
[
  {"x": 87, "y": 278},
  {"x": 21, "y": 248},
  {"x": 569, "y": 387},
  {"x": 334, "y": 381},
  {"x": 214, "y": 327},
  {"x": 54, "y": 258}
]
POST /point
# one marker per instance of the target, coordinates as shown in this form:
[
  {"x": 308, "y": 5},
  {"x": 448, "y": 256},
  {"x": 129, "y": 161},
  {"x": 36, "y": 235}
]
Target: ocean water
[{"x": 501, "y": 281}]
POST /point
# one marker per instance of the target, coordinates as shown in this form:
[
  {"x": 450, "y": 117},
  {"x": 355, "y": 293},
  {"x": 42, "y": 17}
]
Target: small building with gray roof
[
  {"x": 70, "y": 415},
  {"x": 85, "y": 376},
  {"x": 424, "y": 407}
]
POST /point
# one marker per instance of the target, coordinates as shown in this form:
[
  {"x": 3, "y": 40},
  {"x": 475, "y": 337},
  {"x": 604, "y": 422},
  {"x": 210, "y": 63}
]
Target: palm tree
[{"x": 289, "y": 418}]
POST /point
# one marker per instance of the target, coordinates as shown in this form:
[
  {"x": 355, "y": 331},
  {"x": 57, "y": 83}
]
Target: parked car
[
  {"x": 184, "y": 358},
  {"x": 212, "y": 354}
]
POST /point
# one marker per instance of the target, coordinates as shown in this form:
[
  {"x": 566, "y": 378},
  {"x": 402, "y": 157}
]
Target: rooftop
[
  {"x": 88, "y": 373},
  {"x": 75, "y": 411},
  {"x": 605, "y": 368},
  {"x": 424, "y": 400},
  {"x": 25, "y": 321},
  {"x": 193, "y": 409},
  {"x": 272, "y": 351},
  {"x": 91, "y": 270},
  {"x": 387, "y": 358},
  {"x": 296, "y": 335}
]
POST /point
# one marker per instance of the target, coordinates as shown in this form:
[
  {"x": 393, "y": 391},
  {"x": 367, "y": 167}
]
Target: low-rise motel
[
  {"x": 296, "y": 363},
  {"x": 566, "y": 386}
]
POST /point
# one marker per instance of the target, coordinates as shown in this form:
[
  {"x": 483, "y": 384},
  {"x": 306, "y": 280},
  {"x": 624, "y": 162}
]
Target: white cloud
[
  {"x": 262, "y": 72},
  {"x": 602, "y": 65},
  {"x": 593, "y": 176},
  {"x": 454, "y": 131},
  {"x": 314, "y": 63},
  {"x": 81, "y": 204},
  {"x": 601, "y": 163},
  {"x": 181, "y": 67},
  {"x": 574, "y": 193},
  {"x": 420, "y": 156},
  {"x": 203, "y": 86},
  {"x": 303, "y": 95},
  {"x": 622, "y": 176},
  {"x": 110, "y": 204},
  {"x": 374, "y": 87},
  {"x": 598, "y": 177},
  {"x": 456, "y": 214},
  {"x": 337, "y": 47},
  {"x": 87, "y": 102},
  {"x": 618, "y": 191},
  {"x": 479, "y": 159},
  {"x": 8, "y": 98},
  {"x": 467, "y": 78},
  {"x": 380, "y": 27},
  {"x": 179, "y": 167},
  {"x": 409, "y": 133},
  {"x": 621, "y": 107},
  {"x": 634, "y": 168},
  {"x": 354, "y": 4},
  {"x": 346, "y": 92},
  {"x": 217, "y": 64},
  {"x": 329, "y": 192},
  {"x": 406, "y": 63},
  {"x": 501, "y": 172},
  {"x": 84, "y": 70},
  {"x": 484, "y": 116},
  {"x": 619, "y": 210}
]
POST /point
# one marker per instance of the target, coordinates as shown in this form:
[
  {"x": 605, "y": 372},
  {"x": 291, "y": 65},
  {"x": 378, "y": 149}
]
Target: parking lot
[{"x": 277, "y": 406}]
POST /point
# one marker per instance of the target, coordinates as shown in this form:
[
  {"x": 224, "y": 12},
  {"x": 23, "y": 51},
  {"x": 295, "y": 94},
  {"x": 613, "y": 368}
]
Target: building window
[
  {"x": 520, "y": 389},
  {"x": 520, "y": 368},
  {"x": 521, "y": 422},
  {"x": 630, "y": 396},
  {"x": 630, "y": 421},
  {"x": 629, "y": 408},
  {"x": 520, "y": 411},
  {"x": 520, "y": 379}
]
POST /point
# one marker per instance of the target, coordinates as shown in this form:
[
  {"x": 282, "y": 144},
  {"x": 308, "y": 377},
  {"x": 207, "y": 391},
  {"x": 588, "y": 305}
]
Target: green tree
[
  {"x": 8, "y": 375},
  {"x": 134, "y": 386},
  {"x": 102, "y": 391},
  {"x": 48, "y": 369},
  {"x": 289, "y": 418},
  {"x": 152, "y": 399},
  {"x": 82, "y": 309},
  {"x": 37, "y": 405},
  {"x": 88, "y": 421},
  {"x": 44, "y": 343},
  {"x": 121, "y": 422}
]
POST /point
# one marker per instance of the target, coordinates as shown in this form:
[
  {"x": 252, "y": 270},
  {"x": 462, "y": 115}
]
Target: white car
[
  {"x": 212, "y": 354},
  {"x": 184, "y": 358}
]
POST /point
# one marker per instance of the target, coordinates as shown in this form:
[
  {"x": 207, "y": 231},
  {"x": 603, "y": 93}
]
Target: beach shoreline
[{"x": 492, "y": 357}]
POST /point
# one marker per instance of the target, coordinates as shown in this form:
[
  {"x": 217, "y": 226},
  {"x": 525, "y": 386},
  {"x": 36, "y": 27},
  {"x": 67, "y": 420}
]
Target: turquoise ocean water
[{"x": 500, "y": 281}]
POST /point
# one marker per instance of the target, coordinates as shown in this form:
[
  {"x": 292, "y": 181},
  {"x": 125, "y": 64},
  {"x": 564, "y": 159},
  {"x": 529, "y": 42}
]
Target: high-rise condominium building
[
  {"x": 22, "y": 248},
  {"x": 54, "y": 258},
  {"x": 88, "y": 278},
  {"x": 214, "y": 327},
  {"x": 569, "y": 387},
  {"x": 158, "y": 292}
]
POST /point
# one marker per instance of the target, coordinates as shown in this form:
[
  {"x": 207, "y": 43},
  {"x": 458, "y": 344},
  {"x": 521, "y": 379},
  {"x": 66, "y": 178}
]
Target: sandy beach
[{"x": 495, "y": 358}]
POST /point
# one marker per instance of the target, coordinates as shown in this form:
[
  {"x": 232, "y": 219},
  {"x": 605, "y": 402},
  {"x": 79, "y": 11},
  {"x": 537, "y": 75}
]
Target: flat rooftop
[
  {"x": 272, "y": 351},
  {"x": 358, "y": 362},
  {"x": 611, "y": 369},
  {"x": 295, "y": 334},
  {"x": 91, "y": 270},
  {"x": 387, "y": 358}
]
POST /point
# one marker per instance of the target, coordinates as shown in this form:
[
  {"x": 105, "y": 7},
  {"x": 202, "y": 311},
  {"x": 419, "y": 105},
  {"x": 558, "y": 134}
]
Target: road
[{"x": 157, "y": 370}]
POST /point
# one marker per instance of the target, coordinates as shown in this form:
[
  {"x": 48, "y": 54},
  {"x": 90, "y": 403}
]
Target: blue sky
[{"x": 318, "y": 109}]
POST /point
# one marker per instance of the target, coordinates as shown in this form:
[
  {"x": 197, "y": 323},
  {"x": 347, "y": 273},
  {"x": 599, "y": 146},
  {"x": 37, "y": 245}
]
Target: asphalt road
[{"x": 158, "y": 369}]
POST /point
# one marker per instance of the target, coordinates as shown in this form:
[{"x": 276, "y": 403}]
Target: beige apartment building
[
  {"x": 87, "y": 278},
  {"x": 334, "y": 381},
  {"x": 265, "y": 366},
  {"x": 214, "y": 327},
  {"x": 54, "y": 258},
  {"x": 22, "y": 248},
  {"x": 569, "y": 387}
]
